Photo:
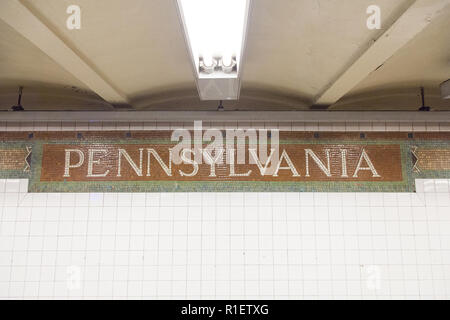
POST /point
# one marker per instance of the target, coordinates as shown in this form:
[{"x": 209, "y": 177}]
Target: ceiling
[{"x": 298, "y": 52}]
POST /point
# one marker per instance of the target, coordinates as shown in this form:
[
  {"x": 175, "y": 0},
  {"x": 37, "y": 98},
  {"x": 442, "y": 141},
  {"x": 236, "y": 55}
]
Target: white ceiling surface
[
  {"x": 424, "y": 61},
  {"x": 47, "y": 85},
  {"x": 137, "y": 45},
  {"x": 301, "y": 46},
  {"x": 295, "y": 50}
]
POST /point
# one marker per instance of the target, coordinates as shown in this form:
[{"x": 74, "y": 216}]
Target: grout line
[{"x": 288, "y": 126}]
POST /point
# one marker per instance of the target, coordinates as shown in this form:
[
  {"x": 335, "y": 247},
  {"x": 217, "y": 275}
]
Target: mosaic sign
[
  {"x": 124, "y": 162},
  {"x": 155, "y": 161}
]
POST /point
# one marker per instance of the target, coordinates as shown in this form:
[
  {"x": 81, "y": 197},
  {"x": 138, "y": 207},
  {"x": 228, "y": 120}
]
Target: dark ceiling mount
[
  {"x": 423, "y": 107},
  {"x": 19, "y": 106},
  {"x": 220, "y": 107}
]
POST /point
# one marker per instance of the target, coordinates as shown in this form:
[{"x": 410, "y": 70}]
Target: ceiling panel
[
  {"x": 46, "y": 84},
  {"x": 137, "y": 46},
  {"x": 424, "y": 61},
  {"x": 300, "y": 47}
]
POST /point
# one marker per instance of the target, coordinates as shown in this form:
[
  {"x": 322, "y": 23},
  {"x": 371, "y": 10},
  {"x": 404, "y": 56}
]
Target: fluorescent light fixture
[{"x": 215, "y": 32}]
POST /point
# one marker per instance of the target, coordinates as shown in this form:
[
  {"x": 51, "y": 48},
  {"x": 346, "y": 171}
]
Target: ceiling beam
[
  {"x": 416, "y": 18},
  {"x": 20, "y": 18}
]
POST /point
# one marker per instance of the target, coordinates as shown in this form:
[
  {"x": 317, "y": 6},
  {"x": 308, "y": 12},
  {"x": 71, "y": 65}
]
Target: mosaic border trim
[{"x": 29, "y": 141}]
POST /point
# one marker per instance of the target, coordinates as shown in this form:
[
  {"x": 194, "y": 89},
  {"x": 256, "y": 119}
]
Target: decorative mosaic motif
[
  {"x": 145, "y": 162},
  {"x": 15, "y": 159},
  {"x": 435, "y": 159}
]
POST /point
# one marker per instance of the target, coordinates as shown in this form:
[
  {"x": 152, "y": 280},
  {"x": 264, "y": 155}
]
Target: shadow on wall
[
  {"x": 399, "y": 99},
  {"x": 251, "y": 98},
  {"x": 39, "y": 96}
]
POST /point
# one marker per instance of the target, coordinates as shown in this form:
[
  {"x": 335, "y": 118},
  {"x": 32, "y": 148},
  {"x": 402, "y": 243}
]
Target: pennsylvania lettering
[{"x": 291, "y": 162}]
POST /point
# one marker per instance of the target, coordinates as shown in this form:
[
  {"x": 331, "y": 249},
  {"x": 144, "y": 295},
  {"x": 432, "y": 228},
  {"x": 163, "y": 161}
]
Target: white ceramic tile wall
[
  {"x": 284, "y": 126},
  {"x": 212, "y": 245}
]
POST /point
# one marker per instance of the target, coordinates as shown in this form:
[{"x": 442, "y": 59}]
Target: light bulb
[
  {"x": 228, "y": 63},
  {"x": 227, "y": 60},
  {"x": 207, "y": 64},
  {"x": 208, "y": 61}
]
